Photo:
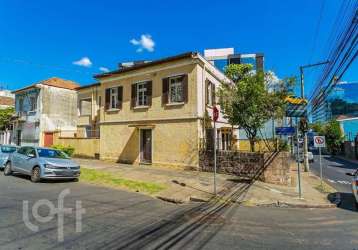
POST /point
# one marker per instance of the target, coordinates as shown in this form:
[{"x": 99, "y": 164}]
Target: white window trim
[
  {"x": 169, "y": 90},
  {"x": 115, "y": 95},
  {"x": 142, "y": 82}
]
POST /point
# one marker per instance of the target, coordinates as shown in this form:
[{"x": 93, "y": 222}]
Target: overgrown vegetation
[
  {"x": 98, "y": 177},
  {"x": 248, "y": 103},
  {"x": 333, "y": 133},
  {"x": 69, "y": 150}
]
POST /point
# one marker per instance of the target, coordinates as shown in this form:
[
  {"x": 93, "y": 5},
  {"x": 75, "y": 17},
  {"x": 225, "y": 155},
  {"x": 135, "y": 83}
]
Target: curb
[
  {"x": 172, "y": 200},
  {"x": 291, "y": 205}
]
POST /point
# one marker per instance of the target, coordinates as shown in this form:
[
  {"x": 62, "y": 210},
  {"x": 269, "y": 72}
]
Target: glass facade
[{"x": 340, "y": 104}]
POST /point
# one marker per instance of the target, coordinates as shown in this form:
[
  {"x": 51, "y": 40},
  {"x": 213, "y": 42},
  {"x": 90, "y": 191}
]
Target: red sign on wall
[{"x": 215, "y": 113}]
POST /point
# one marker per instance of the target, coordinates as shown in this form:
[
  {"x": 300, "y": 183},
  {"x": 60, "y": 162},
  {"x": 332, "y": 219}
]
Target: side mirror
[{"x": 350, "y": 174}]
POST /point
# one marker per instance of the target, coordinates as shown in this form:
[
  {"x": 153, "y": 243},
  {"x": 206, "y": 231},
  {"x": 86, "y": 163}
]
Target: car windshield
[
  {"x": 51, "y": 153},
  {"x": 8, "y": 149}
]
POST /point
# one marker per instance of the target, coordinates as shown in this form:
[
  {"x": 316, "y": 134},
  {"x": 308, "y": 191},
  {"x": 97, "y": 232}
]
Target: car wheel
[
  {"x": 35, "y": 175},
  {"x": 75, "y": 180},
  {"x": 356, "y": 205},
  {"x": 7, "y": 169}
]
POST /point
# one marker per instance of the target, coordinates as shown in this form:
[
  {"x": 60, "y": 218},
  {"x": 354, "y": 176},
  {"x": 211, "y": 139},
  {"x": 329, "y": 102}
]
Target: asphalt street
[{"x": 116, "y": 219}]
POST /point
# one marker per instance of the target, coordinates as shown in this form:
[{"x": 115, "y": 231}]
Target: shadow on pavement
[
  {"x": 342, "y": 163},
  {"x": 190, "y": 227},
  {"x": 347, "y": 201},
  {"x": 27, "y": 177}
]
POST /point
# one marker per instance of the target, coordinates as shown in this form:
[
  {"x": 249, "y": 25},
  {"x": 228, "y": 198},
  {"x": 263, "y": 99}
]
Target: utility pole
[{"x": 305, "y": 140}]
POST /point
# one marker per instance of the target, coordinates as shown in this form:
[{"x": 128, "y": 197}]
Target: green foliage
[
  {"x": 5, "y": 117},
  {"x": 247, "y": 103},
  {"x": 333, "y": 133},
  {"x": 69, "y": 150},
  {"x": 334, "y": 136},
  {"x": 283, "y": 145}
]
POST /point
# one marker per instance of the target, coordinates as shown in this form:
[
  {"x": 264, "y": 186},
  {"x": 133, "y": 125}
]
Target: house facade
[
  {"x": 43, "y": 108},
  {"x": 158, "y": 112}
]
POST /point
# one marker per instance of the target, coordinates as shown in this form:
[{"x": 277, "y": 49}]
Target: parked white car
[
  {"x": 309, "y": 155},
  {"x": 355, "y": 186}
]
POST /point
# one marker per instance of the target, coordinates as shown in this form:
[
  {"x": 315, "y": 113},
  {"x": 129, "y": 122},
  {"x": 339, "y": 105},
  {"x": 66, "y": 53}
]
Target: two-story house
[
  {"x": 43, "y": 108},
  {"x": 157, "y": 112}
]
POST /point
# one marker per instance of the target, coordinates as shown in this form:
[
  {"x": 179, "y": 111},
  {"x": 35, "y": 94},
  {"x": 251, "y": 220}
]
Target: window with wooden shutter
[
  {"x": 207, "y": 83},
  {"x": 134, "y": 95},
  {"x": 119, "y": 97},
  {"x": 185, "y": 88},
  {"x": 149, "y": 93},
  {"x": 165, "y": 89},
  {"x": 107, "y": 99}
]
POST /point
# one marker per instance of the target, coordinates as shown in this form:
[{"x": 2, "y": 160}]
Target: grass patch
[
  {"x": 99, "y": 177},
  {"x": 325, "y": 188}
]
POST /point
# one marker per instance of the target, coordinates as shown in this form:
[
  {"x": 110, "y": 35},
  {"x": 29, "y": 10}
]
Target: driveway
[{"x": 117, "y": 219}]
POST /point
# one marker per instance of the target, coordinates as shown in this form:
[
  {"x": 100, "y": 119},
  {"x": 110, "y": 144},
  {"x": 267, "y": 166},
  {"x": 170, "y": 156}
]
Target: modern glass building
[{"x": 341, "y": 104}]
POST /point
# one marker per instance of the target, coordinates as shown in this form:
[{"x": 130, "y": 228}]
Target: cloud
[
  {"x": 104, "y": 69},
  {"x": 84, "y": 62},
  {"x": 144, "y": 43}
]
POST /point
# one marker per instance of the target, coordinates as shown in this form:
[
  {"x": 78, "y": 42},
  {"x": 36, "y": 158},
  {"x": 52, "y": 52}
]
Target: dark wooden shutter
[
  {"x": 206, "y": 91},
  {"x": 149, "y": 93},
  {"x": 134, "y": 95},
  {"x": 119, "y": 97},
  {"x": 213, "y": 96},
  {"x": 185, "y": 88},
  {"x": 165, "y": 90},
  {"x": 107, "y": 99}
]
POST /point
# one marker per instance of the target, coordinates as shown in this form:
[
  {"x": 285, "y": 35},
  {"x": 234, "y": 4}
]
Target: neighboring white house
[{"x": 43, "y": 108}]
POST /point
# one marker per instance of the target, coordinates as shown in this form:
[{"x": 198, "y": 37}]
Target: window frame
[
  {"x": 170, "y": 89},
  {"x": 113, "y": 97},
  {"x": 33, "y": 103},
  {"x": 145, "y": 93}
]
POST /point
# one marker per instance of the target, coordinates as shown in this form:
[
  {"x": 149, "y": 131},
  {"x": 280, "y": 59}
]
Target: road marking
[
  {"x": 340, "y": 182},
  {"x": 344, "y": 182}
]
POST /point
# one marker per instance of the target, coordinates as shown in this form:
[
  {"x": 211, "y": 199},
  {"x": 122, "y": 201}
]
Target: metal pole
[
  {"x": 215, "y": 158},
  {"x": 305, "y": 140},
  {"x": 320, "y": 165},
  {"x": 298, "y": 162}
]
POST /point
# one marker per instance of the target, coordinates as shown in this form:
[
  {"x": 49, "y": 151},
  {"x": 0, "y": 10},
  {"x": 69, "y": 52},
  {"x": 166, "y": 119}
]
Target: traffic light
[{"x": 303, "y": 126}]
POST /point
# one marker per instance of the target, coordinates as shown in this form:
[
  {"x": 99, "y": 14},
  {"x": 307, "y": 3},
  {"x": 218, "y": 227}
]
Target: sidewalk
[{"x": 183, "y": 185}]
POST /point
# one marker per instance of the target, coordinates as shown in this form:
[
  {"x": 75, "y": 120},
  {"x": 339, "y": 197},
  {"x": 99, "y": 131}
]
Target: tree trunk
[{"x": 252, "y": 145}]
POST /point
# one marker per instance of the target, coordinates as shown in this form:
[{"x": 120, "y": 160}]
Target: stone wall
[{"x": 271, "y": 167}]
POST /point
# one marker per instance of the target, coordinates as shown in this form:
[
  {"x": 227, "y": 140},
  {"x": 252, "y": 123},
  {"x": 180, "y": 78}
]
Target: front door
[
  {"x": 146, "y": 145},
  {"x": 48, "y": 141}
]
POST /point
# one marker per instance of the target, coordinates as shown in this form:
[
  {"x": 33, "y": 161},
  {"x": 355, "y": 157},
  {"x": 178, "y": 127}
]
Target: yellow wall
[
  {"x": 156, "y": 110},
  {"x": 260, "y": 146},
  {"x": 174, "y": 143},
  {"x": 84, "y": 147}
]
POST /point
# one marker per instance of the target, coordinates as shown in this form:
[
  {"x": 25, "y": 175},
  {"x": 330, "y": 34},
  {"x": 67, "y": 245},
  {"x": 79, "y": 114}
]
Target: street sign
[
  {"x": 296, "y": 110},
  {"x": 285, "y": 130},
  {"x": 215, "y": 113},
  {"x": 319, "y": 141}
]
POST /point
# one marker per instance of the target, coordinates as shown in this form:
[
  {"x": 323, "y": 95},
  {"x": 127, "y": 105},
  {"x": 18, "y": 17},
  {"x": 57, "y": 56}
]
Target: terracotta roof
[
  {"x": 54, "y": 82},
  {"x": 147, "y": 64},
  {"x": 7, "y": 101},
  {"x": 60, "y": 83}
]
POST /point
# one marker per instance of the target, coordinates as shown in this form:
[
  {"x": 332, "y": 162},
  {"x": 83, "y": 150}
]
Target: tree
[
  {"x": 5, "y": 117},
  {"x": 333, "y": 133},
  {"x": 247, "y": 103}
]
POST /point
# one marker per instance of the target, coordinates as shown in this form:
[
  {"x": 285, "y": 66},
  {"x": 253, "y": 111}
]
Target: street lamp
[{"x": 305, "y": 142}]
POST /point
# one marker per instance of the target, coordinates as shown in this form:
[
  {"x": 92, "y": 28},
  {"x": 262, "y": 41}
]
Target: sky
[{"x": 76, "y": 39}]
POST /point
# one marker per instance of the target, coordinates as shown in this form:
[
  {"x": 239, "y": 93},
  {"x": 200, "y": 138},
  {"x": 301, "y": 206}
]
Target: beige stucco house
[{"x": 155, "y": 112}]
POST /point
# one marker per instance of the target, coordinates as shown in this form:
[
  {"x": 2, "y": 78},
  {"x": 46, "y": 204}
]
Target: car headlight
[{"x": 49, "y": 166}]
